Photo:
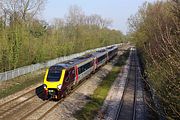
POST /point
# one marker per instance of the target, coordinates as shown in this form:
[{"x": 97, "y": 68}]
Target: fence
[{"x": 31, "y": 68}]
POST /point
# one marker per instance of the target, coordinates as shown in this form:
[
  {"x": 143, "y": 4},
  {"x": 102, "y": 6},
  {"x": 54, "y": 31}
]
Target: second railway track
[
  {"x": 9, "y": 106},
  {"x": 127, "y": 105},
  {"x": 54, "y": 105}
]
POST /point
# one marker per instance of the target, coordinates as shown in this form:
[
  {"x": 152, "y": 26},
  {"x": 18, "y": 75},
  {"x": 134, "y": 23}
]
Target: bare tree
[
  {"x": 75, "y": 16},
  {"x": 22, "y": 7},
  {"x": 98, "y": 21},
  {"x": 58, "y": 23}
]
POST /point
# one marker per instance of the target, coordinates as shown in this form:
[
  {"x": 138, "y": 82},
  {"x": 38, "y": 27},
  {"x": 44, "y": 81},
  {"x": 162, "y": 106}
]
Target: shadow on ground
[{"x": 40, "y": 92}]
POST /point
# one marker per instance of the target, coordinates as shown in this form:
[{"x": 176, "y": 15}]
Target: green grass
[
  {"x": 90, "y": 110},
  {"x": 20, "y": 83}
]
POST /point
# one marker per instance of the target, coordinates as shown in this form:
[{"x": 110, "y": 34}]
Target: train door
[
  {"x": 108, "y": 56},
  {"x": 76, "y": 74},
  {"x": 95, "y": 64},
  {"x": 69, "y": 78},
  {"x": 72, "y": 74}
]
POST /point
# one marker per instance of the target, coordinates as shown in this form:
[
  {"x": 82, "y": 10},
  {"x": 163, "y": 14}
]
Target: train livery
[{"x": 61, "y": 78}]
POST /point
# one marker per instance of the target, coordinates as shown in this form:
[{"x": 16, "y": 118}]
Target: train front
[{"x": 53, "y": 81}]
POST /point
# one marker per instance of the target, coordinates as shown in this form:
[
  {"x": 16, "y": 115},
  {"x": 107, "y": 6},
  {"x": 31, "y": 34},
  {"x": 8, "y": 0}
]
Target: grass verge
[
  {"x": 17, "y": 84},
  {"x": 90, "y": 110}
]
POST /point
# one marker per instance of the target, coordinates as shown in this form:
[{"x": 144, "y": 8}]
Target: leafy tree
[
  {"x": 155, "y": 30},
  {"x": 27, "y": 40}
]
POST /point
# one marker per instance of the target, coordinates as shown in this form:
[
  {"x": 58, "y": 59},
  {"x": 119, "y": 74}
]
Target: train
[{"x": 60, "y": 79}]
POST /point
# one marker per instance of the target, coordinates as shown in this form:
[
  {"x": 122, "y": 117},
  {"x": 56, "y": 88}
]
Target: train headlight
[
  {"x": 45, "y": 86},
  {"x": 59, "y": 87}
]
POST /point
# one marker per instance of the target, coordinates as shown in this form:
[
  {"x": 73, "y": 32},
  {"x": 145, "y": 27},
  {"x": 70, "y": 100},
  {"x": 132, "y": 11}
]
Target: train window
[
  {"x": 102, "y": 58},
  {"x": 85, "y": 67},
  {"x": 79, "y": 70},
  {"x": 54, "y": 73}
]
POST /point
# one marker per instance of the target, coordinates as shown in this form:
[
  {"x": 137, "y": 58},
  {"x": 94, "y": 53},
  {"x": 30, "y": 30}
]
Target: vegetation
[
  {"x": 156, "y": 31},
  {"x": 25, "y": 39},
  {"x": 90, "y": 110},
  {"x": 17, "y": 84}
]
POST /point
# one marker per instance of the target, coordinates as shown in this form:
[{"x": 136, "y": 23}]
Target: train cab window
[{"x": 54, "y": 73}]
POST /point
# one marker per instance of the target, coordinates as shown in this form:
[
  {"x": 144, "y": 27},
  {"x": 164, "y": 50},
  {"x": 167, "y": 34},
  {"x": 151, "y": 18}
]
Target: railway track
[
  {"x": 55, "y": 104},
  {"x": 51, "y": 108},
  {"x": 16, "y": 98},
  {"x": 127, "y": 105},
  {"x": 10, "y": 105}
]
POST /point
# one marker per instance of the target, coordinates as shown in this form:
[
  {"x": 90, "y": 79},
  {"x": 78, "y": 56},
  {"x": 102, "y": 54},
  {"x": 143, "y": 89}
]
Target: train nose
[{"x": 52, "y": 93}]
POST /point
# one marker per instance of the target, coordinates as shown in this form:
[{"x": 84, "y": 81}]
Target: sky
[{"x": 116, "y": 10}]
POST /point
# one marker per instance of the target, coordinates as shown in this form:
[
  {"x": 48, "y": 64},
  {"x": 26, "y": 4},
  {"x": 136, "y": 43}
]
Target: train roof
[
  {"x": 102, "y": 50},
  {"x": 99, "y": 53},
  {"x": 78, "y": 60},
  {"x": 75, "y": 61},
  {"x": 111, "y": 48}
]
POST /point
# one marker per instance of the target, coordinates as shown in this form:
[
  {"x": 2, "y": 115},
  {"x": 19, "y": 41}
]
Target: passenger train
[{"x": 61, "y": 78}]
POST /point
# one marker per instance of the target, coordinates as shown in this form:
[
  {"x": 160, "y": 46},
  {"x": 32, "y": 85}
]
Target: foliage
[
  {"x": 156, "y": 31},
  {"x": 26, "y": 40}
]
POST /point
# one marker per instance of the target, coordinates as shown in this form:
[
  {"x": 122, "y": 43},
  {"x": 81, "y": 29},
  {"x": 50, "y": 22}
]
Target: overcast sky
[{"x": 116, "y": 10}]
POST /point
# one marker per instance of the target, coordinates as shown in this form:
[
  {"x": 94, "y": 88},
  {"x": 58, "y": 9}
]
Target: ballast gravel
[{"x": 110, "y": 105}]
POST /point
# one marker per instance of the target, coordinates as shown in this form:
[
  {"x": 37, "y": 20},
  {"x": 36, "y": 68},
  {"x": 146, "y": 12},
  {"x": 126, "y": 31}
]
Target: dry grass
[{"x": 17, "y": 84}]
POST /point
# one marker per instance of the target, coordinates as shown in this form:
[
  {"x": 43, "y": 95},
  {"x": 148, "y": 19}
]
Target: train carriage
[
  {"x": 100, "y": 57},
  {"x": 60, "y": 79},
  {"x": 111, "y": 51}
]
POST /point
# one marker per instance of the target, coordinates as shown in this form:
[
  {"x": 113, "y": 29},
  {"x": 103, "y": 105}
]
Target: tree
[
  {"x": 155, "y": 30},
  {"x": 23, "y": 7}
]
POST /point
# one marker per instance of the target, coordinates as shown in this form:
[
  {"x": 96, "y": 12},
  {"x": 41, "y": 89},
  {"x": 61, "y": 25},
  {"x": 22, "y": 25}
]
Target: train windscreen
[{"x": 54, "y": 73}]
